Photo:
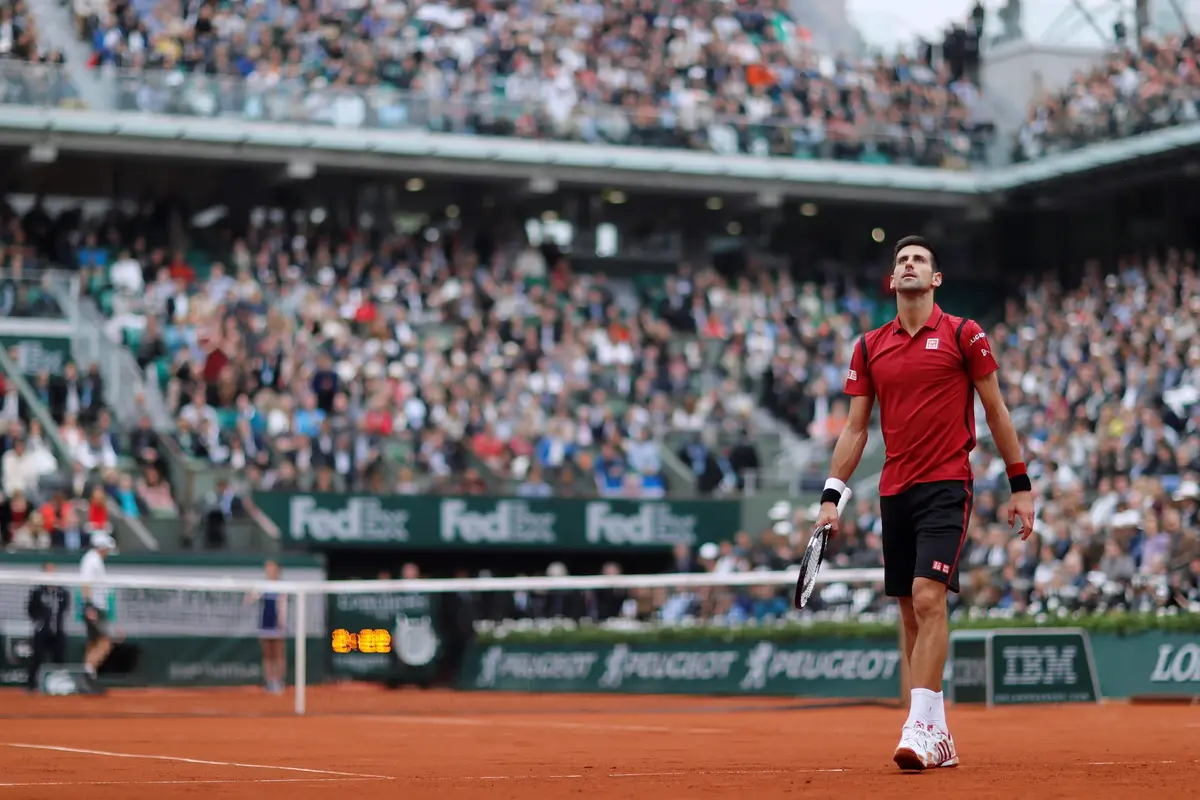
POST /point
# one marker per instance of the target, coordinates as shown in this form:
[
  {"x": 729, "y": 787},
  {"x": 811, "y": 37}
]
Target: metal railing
[
  {"x": 23, "y": 83},
  {"x": 32, "y": 294},
  {"x": 293, "y": 101}
]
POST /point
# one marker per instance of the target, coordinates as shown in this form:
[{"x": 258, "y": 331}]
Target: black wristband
[
  {"x": 831, "y": 496},
  {"x": 1020, "y": 483}
]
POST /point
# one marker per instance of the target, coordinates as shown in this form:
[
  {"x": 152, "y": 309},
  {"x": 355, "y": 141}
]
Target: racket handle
[{"x": 844, "y": 500}]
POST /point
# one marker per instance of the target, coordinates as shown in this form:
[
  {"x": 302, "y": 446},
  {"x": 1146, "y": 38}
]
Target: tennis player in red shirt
[{"x": 924, "y": 367}]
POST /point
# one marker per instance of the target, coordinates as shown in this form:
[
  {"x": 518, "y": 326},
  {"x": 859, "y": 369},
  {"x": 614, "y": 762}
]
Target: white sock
[
  {"x": 939, "y": 712},
  {"x": 924, "y": 705}
]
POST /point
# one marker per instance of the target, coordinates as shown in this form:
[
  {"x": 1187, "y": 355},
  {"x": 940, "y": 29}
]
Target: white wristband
[{"x": 834, "y": 483}]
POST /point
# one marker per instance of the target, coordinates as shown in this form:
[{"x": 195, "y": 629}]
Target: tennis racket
[{"x": 814, "y": 554}]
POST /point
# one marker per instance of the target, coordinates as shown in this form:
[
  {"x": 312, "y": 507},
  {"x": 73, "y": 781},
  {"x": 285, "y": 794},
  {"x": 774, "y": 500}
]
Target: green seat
[
  {"x": 133, "y": 337},
  {"x": 163, "y": 368}
]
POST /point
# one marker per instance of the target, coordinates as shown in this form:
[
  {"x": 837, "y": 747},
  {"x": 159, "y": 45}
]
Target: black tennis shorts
[
  {"x": 97, "y": 629},
  {"x": 924, "y": 530}
]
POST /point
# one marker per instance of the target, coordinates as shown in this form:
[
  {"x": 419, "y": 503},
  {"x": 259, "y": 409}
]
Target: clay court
[{"x": 241, "y": 744}]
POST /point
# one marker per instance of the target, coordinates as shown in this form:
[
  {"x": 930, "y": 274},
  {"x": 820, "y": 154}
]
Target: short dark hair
[{"x": 918, "y": 241}]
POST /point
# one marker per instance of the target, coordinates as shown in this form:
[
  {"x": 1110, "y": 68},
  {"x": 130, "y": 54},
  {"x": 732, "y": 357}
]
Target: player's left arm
[{"x": 984, "y": 372}]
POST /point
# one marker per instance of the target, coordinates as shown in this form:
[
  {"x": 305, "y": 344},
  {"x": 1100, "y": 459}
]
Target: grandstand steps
[
  {"x": 56, "y": 29},
  {"x": 130, "y": 533},
  {"x": 127, "y": 392},
  {"x": 681, "y": 481}
]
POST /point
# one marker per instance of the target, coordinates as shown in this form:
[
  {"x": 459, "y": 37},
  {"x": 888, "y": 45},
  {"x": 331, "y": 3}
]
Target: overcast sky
[{"x": 891, "y": 23}]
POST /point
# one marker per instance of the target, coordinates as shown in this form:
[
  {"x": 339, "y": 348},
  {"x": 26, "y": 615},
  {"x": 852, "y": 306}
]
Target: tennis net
[{"x": 186, "y": 645}]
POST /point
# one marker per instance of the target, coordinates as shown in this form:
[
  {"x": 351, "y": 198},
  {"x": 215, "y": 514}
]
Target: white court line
[
  {"x": 733, "y": 772},
  {"x": 665, "y": 774},
  {"x": 33, "y": 784},
  {"x": 181, "y": 760},
  {"x": 515, "y": 723}
]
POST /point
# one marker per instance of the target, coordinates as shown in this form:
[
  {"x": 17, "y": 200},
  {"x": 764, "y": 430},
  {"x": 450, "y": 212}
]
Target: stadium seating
[
  {"x": 323, "y": 374},
  {"x": 403, "y": 382},
  {"x": 1135, "y": 90},
  {"x": 702, "y": 76}
]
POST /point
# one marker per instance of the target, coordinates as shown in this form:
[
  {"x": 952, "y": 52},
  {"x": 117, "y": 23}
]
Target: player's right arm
[
  {"x": 853, "y": 438},
  {"x": 846, "y": 455}
]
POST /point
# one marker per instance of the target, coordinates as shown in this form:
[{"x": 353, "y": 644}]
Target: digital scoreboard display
[
  {"x": 383, "y": 636},
  {"x": 367, "y": 640}
]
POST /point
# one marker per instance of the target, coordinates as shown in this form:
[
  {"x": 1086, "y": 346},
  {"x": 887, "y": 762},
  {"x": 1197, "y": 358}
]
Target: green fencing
[
  {"x": 1069, "y": 665},
  {"x": 1005, "y": 666},
  {"x": 1148, "y": 664}
]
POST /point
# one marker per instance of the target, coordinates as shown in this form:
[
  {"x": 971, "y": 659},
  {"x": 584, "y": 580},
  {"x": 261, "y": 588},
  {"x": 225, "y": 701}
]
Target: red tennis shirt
[{"x": 925, "y": 386}]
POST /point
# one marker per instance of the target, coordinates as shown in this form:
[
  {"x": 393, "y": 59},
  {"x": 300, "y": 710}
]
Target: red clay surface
[{"x": 127, "y": 745}]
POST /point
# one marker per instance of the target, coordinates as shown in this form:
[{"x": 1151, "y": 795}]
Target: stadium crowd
[
  {"x": 462, "y": 366},
  {"x": 1137, "y": 89},
  {"x": 475, "y": 364},
  {"x": 1102, "y": 380},
  {"x": 731, "y": 79}
]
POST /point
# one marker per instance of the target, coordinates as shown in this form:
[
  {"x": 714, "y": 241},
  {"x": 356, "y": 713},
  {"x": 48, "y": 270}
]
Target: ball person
[
  {"x": 95, "y": 606},
  {"x": 924, "y": 367},
  {"x": 47, "y": 607}
]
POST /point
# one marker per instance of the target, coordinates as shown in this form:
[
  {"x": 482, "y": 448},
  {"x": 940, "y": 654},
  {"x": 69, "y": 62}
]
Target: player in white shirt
[{"x": 95, "y": 602}]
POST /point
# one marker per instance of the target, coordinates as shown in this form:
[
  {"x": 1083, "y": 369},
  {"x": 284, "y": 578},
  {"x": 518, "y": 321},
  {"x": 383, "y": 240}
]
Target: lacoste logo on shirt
[{"x": 931, "y": 344}]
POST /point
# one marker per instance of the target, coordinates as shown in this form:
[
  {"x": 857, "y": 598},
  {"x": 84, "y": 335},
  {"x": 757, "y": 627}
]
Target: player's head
[
  {"x": 103, "y": 543},
  {"x": 914, "y": 266},
  {"x": 272, "y": 570}
]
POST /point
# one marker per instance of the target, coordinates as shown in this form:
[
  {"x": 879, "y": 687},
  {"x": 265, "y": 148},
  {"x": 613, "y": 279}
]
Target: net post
[{"x": 301, "y": 655}]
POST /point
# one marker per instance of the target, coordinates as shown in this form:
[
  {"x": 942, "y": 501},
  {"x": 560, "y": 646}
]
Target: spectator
[
  {"x": 154, "y": 493},
  {"x": 97, "y": 511},
  {"x": 95, "y": 453},
  {"x": 15, "y": 515},
  {"x": 534, "y": 485},
  {"x": 21, "y": 468}
]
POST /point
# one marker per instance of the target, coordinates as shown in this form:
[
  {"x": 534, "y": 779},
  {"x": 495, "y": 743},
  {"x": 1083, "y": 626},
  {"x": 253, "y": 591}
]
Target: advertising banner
[
  {"x": 816, "y": 668},
  {"x": 345, "y": 520}
]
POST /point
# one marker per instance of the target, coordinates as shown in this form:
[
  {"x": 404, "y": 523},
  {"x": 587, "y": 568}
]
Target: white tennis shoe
[
  {"x": 945, "y": 754},
  {"x": 925, "y": 747},
  {"x": 916, "y": 748}
]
